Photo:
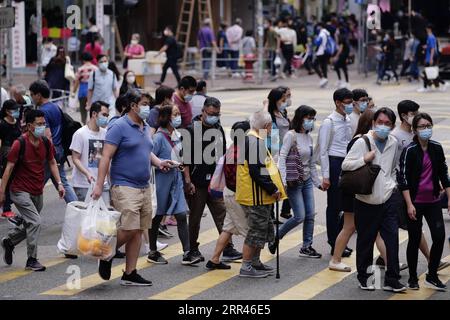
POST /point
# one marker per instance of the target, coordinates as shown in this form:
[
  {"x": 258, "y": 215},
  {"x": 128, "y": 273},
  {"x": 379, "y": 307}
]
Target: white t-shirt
[
  {"x": 354, "y": 119},
  {"x": 404, "y": 139},
  {"x": 90, "y": 145}
]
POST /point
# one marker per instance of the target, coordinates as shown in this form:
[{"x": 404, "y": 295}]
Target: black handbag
[{"x": 360, "y": 181}]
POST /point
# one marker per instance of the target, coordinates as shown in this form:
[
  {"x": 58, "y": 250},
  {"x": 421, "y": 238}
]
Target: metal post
[
  {"x": 260, "y": 28},
  {"x": 39, "y": 36},
  {"x": 9, "y": 74},
  {"x": 366, "y": 43},
  {"x": 409, "y": 16},
  {"x": 213, "y": 66},
  {"x": 113, "y": 31}
]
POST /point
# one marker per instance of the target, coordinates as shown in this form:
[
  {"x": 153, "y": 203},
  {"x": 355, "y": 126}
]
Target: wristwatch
[{"x": 60, "y": 183}]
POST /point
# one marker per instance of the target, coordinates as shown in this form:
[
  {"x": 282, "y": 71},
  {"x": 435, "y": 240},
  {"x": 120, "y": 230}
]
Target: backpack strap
[
  {"x": 366, "y": 139},
  {"x": 47, "y": 146}
]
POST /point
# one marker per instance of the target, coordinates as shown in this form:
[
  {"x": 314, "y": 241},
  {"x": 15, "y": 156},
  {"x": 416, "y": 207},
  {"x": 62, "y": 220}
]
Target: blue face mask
[
  {"x": 425, "y": 134},
  {"x": 144, "y": 112},
  {"x": 188, "y": 98},
  {"x": 382, "y": 131},
  {"x": 283, "y": 107},
  {"x": 176, "y": 122},
  {"x": 211, "y": 120},
  {"x": 308, "y": 125},
  {"x": 348, "y": 108},
  {"x": 363, "y": 106},
  {"x": 15, "y": 114},
  {"x": 39, "y": 131},
  {"x": 102, "y": 122}
]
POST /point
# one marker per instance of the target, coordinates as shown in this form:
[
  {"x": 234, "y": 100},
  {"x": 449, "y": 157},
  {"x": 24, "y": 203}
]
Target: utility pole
[
  {"x": 260, "y": 28},
  {"x": 113, "y": 31},
  {"x": 39, "y": 36},
  {"x": 10, "y": 52}
]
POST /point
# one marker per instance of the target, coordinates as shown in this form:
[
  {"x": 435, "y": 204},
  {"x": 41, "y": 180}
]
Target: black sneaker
[
  {"x": 434, "y": 283},
  {"x": 197, "y": 253},
  {"x": 16, "y": 221},
  {"x": 34, "y": 265},
  {"x": 345, "y": 254},
  {"x": 286, "y": 215},
  {"x": 363, "y": 285},
  {"x": 231, "y": 254},
  {"x": 273, "y": 246},
  {"x": 217, "y": 266},
  {"x": 134, "y": 280},
  {"x": 190, "y": 259},
  {"x": 119, "y": 255},
  {"x": 104, "y": 269},
  {"x": 163, "y": 231},
  {"x": 413, "y": 284},
  {"x": 70, "y": 256},
  {"x": 8, "y": 250},
  {"x": 394, "y": 286},
  {"x": 380, "y": 263},
  {"x": 310, "y": 253},
  {"x": 156, "y": 258}
]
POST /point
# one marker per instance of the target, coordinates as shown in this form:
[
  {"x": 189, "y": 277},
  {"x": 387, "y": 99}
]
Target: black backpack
[
  {"x": 69, "y": 127},
  {"x": 180, "y": 51}
]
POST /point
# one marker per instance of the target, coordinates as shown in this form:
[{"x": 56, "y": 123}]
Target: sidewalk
[{"x": 27, "y": 75}]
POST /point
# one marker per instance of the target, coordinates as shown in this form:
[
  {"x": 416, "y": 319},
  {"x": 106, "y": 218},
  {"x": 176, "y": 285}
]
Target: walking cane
[{"x": 277, "y": 205}]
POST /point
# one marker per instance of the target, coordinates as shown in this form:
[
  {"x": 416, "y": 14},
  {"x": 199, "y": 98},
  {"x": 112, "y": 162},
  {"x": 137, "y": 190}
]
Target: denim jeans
[
  {"x": 206, "y": 63},
  {"x": 301, "y": 199},
  {"x": 234, "y": 63},
  {"x": 59, "y": 156}
]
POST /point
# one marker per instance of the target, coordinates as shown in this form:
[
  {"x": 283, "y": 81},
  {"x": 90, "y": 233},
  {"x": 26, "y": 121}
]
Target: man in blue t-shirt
[
  {"x": 128, "y": 149},
  {"x": 431, "y": 59},
  {"x": 40, "y": 93}
]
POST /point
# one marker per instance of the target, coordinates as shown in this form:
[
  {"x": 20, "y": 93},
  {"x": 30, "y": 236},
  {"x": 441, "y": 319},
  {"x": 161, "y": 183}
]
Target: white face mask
[
  {"x": 134, "y": 42},
  {"x": 131, "y": 79},
  {"x": 103, "y": 66}
]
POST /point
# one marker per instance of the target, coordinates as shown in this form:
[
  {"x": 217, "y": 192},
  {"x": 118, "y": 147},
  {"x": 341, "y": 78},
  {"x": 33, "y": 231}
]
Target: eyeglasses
[{"x": 427, "y": 126}]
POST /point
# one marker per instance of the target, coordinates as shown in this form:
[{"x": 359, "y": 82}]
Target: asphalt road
[{"x": 300, "y": 278}]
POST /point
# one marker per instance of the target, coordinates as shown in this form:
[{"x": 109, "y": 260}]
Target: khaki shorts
[
  {"x": 236, "y": 220},
  {"x": 135, "y": 206}
]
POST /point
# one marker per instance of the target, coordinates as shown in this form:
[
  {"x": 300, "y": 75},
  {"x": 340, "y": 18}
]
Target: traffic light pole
[{"x": 39, "y": 37}]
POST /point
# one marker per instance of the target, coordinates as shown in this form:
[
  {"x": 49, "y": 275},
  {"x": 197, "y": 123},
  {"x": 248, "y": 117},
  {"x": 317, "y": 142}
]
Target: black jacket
[
  {"x": 411, "y": 163},
  {"x": 201, "y": 173}
]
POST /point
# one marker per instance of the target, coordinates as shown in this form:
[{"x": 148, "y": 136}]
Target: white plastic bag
[
  {"x": 73, "y": 102},
  {"x": 98, "y": 234},
  {"x": 69, "y": 72},
  {"x": 277, "y": 62},
  {"x": 68, "y": 244},
  {"x": 432, "y": 72}
]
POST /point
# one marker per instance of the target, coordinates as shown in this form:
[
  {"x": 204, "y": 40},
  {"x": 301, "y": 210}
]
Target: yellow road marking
[
  {"x": 424, "y": 293},
  {"x": 117, "y": 271},
  {"x": 17, "y": 273},
  {"x": 324, "y": 279},
  {"x": 212, "y": 278}
]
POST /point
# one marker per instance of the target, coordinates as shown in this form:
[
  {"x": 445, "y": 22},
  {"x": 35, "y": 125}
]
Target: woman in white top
[{"x": 301, "y": 195}]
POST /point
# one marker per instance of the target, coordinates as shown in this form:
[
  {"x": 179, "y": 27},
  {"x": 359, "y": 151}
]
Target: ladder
[{"x": 184, "y": 27}]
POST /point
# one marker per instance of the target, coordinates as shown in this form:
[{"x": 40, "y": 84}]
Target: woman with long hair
[{"x": 55, "y": 73}]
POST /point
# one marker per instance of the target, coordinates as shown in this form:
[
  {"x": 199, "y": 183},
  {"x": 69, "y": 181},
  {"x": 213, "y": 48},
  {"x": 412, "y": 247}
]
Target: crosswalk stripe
[
  {"x": 424, "y": 293},
  {"x": 213, "y": 278},
  {"x": 19, "y": 272},
  {"x": 117, "y": 271},
  {"x": 324, "y": 279}
]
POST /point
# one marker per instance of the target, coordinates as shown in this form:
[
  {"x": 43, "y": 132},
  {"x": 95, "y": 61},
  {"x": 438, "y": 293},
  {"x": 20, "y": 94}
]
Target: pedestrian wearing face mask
[
  {"x": 129, "y": 82},
  {"x": 377, "y": 212},
  {"x": 182, "y": 99},
  {"x": 198, "y": 176},
  {"x": 300, "y": 192},
  {"x": 172, "y": 53},
  {"x": 134, "y": 50},
  {"x": 335, "y": 134},
  {"x": 27, "y": 158},
  {"x": 169, "y": 186},
  {"x": 360, "y": 103},
  {"x": 102, "y": 85},
  {"x": 423, "y": 172},
  {"x": 9, "y": 131}
]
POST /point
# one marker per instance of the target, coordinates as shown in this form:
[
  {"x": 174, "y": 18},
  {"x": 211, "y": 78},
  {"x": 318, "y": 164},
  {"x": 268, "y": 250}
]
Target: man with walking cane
[{"x": 258, "y": 187}]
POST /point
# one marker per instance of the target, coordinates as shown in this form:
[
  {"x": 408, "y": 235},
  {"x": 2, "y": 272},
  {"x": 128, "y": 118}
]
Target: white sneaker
[
  {"x": 343, "y": 85},
  {"x": 422, "y": 90},
  {"x": 341, "y": 267},
  {"x": 338, "y": 83},
  {"x": 323, "y": 82},
  {"x": 161, "y": 246},
  {"x": 444, "y": 87}
]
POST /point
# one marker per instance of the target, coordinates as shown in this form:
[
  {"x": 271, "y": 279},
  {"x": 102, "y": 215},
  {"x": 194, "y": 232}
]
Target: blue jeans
[
  {"x": 206, "y": 63},
  {"x": 301, "y": 199},
  {"x": 59, "y": 156},
  {"x": 234, "y": 63}
]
